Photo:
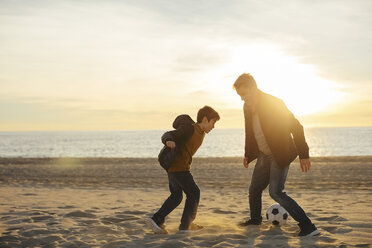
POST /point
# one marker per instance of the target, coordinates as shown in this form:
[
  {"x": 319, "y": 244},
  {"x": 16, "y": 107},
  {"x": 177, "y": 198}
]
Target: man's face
[
  {"x": 248, "y": 95},
  {"x": 208, "y": 125}
]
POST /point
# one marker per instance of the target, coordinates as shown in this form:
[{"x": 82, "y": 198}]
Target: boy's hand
[
  {"x": 170, "y": 144},
  {"x": 305, "y": 164},
  {"x": 245, "y": 162}
]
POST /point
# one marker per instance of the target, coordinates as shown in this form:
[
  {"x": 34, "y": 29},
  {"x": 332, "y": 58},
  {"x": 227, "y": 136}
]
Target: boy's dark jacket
[
  {"x": 184, "y": 129},
  {"x": 278, "y": 126}
]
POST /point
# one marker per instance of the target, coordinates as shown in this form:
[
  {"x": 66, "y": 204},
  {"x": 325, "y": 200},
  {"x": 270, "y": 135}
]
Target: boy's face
[{"x": 208, "y": 125}]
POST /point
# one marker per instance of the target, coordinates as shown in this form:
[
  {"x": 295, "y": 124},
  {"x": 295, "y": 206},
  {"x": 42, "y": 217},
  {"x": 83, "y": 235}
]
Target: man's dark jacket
[
  {"x": 283, "y": 132},
  {"x": 184, "y": 129}
]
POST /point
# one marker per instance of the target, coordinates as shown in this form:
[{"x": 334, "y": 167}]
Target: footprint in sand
[
  {"x": 80, "y": 214},
  {"x": 41, "y": 218},
  {"x": 67, "y": 207},
  {"x": 87, "y": 222},
  {"x": 53, "y": 223},
  {"x": 337, "y": 229},
  {"x": 29, "y": 194},
  {"x": 111, "y": 220},
  {"x": 326, "y": 239},
  {"x": 220, "y": 211},
  {"x": 36, "y": 232},
  {"x": 9, "y": 239},
  {"x": 126, "y": 217},
  {"x": 331, "y": 218},
  {"x": 19, "y": 221},
  {"x": 118, "y": 244},
  {"x": 102, "y": 230},
  {"x": 330, "y": 229},
  {"x": 134, "y": 212},
  {"x": 344, "y": 230},
  {"x": 363, "y": 245}
]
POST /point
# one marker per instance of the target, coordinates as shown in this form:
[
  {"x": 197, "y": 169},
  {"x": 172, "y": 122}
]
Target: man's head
[
  {"x": 246, "y": 88},
  {"x": 206, "y": 118}
]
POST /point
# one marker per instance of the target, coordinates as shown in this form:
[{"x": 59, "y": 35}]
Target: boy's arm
[
  {"x": 166, "y": 137},
  {"x": 180, "y": 133}
]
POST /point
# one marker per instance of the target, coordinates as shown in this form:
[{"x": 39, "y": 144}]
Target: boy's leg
[
  {"x": 188, "y": 185},
  {"x": 172, "y": 202},
  {"x": 260, "y": 180},
  {"x": 278, "y": 177}
]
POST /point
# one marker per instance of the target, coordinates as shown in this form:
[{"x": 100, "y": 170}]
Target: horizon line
[{"x": 134, "y": 130}]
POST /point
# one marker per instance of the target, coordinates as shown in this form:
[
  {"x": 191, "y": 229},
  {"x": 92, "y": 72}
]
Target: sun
[
  {"x": 278, "y": 74},
  {"x": 301, "y": 89}
]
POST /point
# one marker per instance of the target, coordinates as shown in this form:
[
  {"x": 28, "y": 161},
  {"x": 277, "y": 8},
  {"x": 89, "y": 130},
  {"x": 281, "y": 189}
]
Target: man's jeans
[
  {"x": 267, "y": 172},
  {"x": 178, "y": 182}
]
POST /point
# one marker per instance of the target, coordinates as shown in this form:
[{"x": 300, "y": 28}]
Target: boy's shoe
[
  {"x": 192, "y": 228},
  {"x": 155, "y": 226},
  {"x": 250, "y": 222},
  {"x": 308, "y": 230}
]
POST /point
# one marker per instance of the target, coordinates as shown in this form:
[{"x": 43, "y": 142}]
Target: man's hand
[
  {"x": 170, "y": 144},
  {"x": 245, "y": 162},
  {"x": 305, "y": 164}
]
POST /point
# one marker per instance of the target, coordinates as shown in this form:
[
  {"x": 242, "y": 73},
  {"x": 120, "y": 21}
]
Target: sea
[{"x": 340, "y": 141}]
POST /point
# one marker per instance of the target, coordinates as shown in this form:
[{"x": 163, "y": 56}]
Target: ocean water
[{"x": 349, "y": 141}]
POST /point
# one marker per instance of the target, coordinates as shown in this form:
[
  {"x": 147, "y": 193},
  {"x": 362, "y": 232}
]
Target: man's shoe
[
  {"x": 308, "y": 230},
  {"x": 250, "y": 222},
  {"x": 158, "y": 228},
  {"x": 191, "y": 229}
]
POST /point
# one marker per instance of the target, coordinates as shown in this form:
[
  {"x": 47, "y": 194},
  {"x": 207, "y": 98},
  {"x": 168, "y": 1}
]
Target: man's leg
[
  {"x": 278, "y": 177},
  {"x": 188, "y": 185},
  {"x": 172, "y": 202},
  {"x": 260, "y": 180}
]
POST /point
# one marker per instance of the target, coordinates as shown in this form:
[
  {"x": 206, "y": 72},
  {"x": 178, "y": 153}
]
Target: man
[
  {"x": 176, "y": 157},
  {"x": 269, "y": 127}
]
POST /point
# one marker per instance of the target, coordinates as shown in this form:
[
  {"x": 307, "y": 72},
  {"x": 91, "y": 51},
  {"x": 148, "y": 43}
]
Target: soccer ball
[{"x": 276, "y": 215}]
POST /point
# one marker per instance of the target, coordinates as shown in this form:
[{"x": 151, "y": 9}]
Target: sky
[{"x": 129, "y": 65}]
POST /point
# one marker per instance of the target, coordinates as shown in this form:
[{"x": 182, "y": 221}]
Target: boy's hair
[
  {"x": 245, "y": 80},
  {"x": 207, "y": 112}
]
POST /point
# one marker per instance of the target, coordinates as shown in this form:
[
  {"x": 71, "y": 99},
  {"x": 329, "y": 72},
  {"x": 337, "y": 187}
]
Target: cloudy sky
[{"x": 117, "y": 65}]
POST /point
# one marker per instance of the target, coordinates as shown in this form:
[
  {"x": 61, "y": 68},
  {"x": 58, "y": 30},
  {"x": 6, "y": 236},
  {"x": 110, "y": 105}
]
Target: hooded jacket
[
  {"x": 184, "y": 128},
  {"x": 283, "y": 132}
]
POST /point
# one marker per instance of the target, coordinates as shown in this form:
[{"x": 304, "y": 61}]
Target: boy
[{"x": 176, "y": 157}]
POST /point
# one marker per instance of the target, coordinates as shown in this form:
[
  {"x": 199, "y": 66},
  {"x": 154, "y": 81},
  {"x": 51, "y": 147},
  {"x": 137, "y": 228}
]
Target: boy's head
[
  {"x": 246, "y": 88},
  {"x": 206, "y": 118}
]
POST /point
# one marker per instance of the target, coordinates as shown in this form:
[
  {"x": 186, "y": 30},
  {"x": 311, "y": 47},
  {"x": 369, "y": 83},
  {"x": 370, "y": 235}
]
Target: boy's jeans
[
  {"x": 178, "y": 182},
  {"x": 267, "y": 172}
]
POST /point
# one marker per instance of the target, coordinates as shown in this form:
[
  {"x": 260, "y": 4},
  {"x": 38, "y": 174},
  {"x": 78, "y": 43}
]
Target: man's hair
[
  {"x": 207, "y": 112},
  {"x": 245, "y": 80}
]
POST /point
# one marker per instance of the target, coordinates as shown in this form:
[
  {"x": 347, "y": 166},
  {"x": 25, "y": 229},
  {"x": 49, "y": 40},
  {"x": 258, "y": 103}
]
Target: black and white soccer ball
[{"x": 277, "y": 215}]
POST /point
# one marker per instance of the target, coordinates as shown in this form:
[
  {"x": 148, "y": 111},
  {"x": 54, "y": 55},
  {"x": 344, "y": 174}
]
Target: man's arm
[
  {"x": 246, "y": 123},
  {"x": 298, "y": 134},
  {"x": 297, "y": 131}
]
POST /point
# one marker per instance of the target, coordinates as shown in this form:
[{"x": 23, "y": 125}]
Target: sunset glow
[
  {"x": 278, "y": 74},
  {"x": 115, "y": 65}
]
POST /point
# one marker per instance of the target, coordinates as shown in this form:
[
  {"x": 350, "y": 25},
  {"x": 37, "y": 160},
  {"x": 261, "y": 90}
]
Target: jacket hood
[{"x": 182, "y": 120}]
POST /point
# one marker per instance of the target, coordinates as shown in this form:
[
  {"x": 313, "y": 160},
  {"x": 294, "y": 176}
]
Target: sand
[{"x": 102, "y": 202}]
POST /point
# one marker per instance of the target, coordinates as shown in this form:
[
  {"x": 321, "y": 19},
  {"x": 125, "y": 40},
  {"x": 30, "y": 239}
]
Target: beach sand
[{"x": 102, "y": 202}]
